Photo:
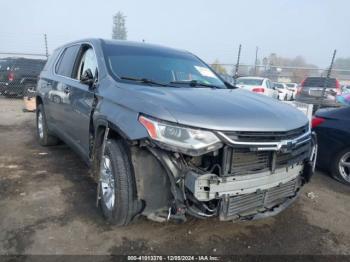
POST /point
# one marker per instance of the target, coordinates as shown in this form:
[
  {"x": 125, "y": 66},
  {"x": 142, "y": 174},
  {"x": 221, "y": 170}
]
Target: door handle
[{"x": 66, "y": 90}]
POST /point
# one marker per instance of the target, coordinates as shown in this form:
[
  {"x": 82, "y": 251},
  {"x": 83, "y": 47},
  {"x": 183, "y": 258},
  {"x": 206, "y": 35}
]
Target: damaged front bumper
[{"x": 238, "y": 196}]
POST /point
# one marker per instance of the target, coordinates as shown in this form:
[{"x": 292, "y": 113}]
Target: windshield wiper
[
  {"x": 195, "y": 83},
  {"x": 143, "y": 80}
]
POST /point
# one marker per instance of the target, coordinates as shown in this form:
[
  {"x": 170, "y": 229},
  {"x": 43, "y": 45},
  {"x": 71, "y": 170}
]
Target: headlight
[{"x": 186, "y": 140}]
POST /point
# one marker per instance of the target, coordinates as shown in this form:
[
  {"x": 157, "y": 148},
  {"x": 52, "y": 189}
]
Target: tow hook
[{"x": 176, "y": 214}]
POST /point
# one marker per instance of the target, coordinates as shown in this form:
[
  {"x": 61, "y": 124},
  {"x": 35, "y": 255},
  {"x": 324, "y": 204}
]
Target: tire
[
  {"x": 116, "y": 170},
  {"x": 338, "y": 170},
  {"x": 45, "y": 137}
]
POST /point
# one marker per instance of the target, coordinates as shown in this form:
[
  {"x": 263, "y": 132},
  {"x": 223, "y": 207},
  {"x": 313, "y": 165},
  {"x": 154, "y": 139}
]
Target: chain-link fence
[
  {"x": 284, "y": 74},
  {"x": 22, "y": 61},
  {"x": 22, "y": 57},
  {"x": 19, "y": 74}
]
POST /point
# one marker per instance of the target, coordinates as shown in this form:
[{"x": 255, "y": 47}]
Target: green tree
[
  {"x": 119, "y": 28},
  {"x": 218, "y": 67}
]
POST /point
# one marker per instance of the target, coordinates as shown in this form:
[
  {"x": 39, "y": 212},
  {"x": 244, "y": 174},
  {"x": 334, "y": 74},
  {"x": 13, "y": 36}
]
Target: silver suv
[
  {"x": 166, "y": 137},
  {"x": 319, "y": 91}
]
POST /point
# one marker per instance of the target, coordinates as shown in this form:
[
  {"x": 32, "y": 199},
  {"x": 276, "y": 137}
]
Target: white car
[
  {"x": 283, "y": 92},
  {"x": 294, "y": 88},
  {"x": 258, "y": 85}
]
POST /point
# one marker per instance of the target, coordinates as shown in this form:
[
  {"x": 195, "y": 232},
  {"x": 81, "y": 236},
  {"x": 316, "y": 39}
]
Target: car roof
[
  {"x": 252, "y": 77},
  {"x": 126, "y": 43}
]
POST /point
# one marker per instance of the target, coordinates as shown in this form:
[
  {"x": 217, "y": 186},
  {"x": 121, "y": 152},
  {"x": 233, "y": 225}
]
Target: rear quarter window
[
  {"x": 319, "y": 82},
  {"x": 51, "y": 60},
  {"x": 65, "y": 64}
]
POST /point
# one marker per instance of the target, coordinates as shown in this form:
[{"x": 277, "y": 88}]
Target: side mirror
[{"x": 87, "y": 77}]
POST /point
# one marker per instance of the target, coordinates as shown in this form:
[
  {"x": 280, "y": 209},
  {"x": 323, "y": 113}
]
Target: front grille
[
  {"x": 246, "y": 162},
  {"x": 295, "y": 156},
  {"x": 243, "y": 161},
  {"x": 243, "y": 136},
  {"x": 259, "y": 201}
]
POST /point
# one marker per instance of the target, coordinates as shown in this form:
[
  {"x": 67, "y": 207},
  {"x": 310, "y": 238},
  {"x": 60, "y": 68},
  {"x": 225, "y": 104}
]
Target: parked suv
[
  {"x": 18, "y": 75},
  {"x": 165, "y": 136},
  {"x": 319, "y": 91}
]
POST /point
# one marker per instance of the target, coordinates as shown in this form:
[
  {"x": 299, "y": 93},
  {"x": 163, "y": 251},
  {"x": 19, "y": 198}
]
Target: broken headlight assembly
[{"x": 181, "y": 139}]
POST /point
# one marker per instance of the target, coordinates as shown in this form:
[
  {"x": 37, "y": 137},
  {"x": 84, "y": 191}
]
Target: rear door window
[
  {"x": 65, "y": 65},
  {"x": 319, "y": 82}
]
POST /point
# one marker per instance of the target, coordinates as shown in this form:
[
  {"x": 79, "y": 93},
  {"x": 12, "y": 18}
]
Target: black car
[
  {"x": 333, "y": 133},
  {"x": 18, "y": 75}
]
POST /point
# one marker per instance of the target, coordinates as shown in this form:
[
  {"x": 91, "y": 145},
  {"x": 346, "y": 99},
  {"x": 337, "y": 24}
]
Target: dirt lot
[{"x": 47, "y": 207}]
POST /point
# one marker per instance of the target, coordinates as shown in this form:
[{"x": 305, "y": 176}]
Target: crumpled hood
[{"x": 219, "y": 109}]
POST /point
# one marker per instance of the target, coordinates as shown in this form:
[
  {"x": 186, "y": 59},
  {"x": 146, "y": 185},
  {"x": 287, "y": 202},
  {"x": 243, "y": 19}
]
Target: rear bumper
[
  {"x": 11, "y": 88},
  {"x": 318, "y": 101}
]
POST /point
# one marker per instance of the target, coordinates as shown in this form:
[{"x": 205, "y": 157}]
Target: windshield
[
  {"x": 320, "y": 82},
  {"x": 4, "y": 64},
  {"x": 290, "y": 85},
  {"x": 162, "y": 66},
  {"x": 279, "y": 85},
  {"x": 249, "y": 81}
]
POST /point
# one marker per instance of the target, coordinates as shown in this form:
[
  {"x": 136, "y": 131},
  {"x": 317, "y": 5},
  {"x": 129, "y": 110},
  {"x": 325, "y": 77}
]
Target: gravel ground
[{"x": 47, "y": 206}]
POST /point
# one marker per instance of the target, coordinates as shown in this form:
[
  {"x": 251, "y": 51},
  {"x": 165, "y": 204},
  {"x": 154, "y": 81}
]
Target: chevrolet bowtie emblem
[{"x": 288, "y": 146}]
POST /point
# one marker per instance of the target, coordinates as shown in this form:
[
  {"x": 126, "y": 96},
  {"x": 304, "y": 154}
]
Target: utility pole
[
  {"x": 237, "y": 65},
  {"x": 329, "y": 72},
  {"x": 46, "y": 47},
  {"x": 256, "y": 61},
  {"x": 331, "y": 66}
]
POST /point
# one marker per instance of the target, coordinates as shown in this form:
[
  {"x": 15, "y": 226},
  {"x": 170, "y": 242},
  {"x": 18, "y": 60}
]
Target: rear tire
[
  {"x": 45, "y": 137},
  {"x": 117, "y": 184},
  {"x": 340, "y": 168}
]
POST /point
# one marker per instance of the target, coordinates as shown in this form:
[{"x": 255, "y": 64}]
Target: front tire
[
  {"x": 117, "y": 185},
  {"x": 340, "y": 168},
  {"x": 44, "y": 136}
]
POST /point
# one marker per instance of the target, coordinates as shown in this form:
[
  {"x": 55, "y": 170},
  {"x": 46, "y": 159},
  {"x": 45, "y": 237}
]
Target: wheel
[
  {"x": 117, "y": 188},
  {"x": 340, "y": 168},
  {"x": 45, "y": 138}
]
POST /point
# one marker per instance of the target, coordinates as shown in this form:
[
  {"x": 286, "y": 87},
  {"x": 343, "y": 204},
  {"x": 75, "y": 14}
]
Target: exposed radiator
[
  {"x": 242, "y": 161},
  {"x": 259, "y": 201}
]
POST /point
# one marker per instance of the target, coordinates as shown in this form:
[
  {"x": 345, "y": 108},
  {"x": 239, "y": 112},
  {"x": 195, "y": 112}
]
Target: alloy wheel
[
  {"x": 344, "y": 166},
  {"x": 40, "y": 125},
  {"x": 107, "y": 183}
]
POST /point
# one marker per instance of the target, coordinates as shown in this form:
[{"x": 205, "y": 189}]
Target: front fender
[{"x": 119, "y": 118}]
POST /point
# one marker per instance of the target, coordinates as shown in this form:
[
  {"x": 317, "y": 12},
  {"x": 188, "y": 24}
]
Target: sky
[{"x": 210, "y": 29}]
